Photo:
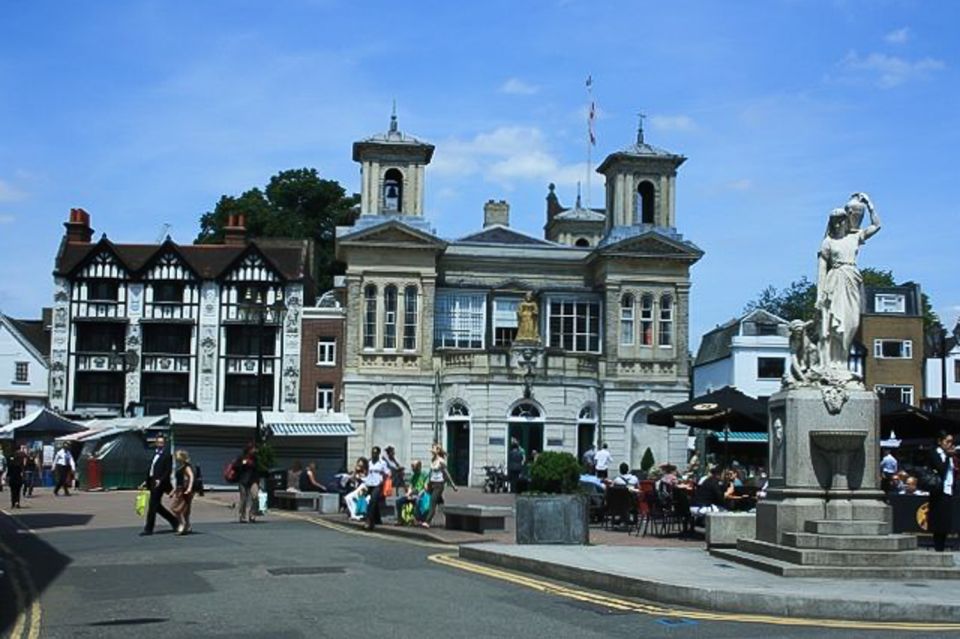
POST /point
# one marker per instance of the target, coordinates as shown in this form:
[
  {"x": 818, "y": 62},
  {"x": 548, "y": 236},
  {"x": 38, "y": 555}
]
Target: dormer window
[
  {"x": 393, "y": 191},
  {"x": 890, "y": 303}
]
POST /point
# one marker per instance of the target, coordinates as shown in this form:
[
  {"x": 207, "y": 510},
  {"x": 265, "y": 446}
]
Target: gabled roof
[
  {"x": 581, "y": 215},
  {"x": 32, "y": 334},
  {"x": 208, "y": 261},
  {"x": 716, "y": 344},
  {"x": 647, "y": 240},
  {"x": 500, "y": 234},
  {"x": 391, "y": 230}
]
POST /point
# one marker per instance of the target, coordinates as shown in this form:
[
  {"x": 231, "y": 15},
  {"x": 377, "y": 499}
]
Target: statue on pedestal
[{"x": 528, "y": 330}]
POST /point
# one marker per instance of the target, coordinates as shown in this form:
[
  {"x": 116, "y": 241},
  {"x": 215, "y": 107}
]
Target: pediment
[
  {"x": 393, "y": 234},
  {"x": 652, "y": 245}
]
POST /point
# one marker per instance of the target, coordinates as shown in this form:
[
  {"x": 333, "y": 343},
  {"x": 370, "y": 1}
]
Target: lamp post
[{"x": 254, "y": 309}]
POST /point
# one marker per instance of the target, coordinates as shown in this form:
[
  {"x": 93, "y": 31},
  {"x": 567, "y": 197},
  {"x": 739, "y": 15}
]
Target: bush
[
  {"x": 648, "y": 461},
  {"x": 555, "y": 472},
  {"x": 266, "y": 458}
]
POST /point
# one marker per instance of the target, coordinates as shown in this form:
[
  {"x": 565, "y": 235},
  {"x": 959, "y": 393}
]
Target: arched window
[
  {"x": 646, "y": 320},
  {"x": 582, "y": 242},
  {"x": 666, "y": 321},
  {"x": 393, "y": 191},
  {"x": 410, "y": 318},
  {"x": 390, "y": 316},
  {"x": 626, "y": 319},
  {"x": 387, "y": 428},
  {"x": 646, "y": 194},
  {"x": 587, "y": 414},
  {"x": 370, "y": 316},
  {"x": 458, "y": 410},
  {"x": 527, "y": 411}
]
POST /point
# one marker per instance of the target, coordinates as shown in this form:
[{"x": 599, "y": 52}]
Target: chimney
[
  {"x": 78, "y": 227},
  {"x": 235, "y": 232},
  {"x": 496, "y": 212}
]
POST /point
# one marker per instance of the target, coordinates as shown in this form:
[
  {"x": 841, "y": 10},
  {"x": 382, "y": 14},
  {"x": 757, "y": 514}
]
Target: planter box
[{"x": 552, "y": 519}]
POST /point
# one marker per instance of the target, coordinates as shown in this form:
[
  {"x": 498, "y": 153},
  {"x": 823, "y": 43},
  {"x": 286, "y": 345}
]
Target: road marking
[
  {"x": 27, "y": 625},
  {"x": 616, "y": 603},
  {"x": 348, "y": 530}
]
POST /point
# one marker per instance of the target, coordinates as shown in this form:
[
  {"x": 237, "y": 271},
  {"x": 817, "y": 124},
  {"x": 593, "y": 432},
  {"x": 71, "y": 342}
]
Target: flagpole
[{"x": 590, "y": 138}]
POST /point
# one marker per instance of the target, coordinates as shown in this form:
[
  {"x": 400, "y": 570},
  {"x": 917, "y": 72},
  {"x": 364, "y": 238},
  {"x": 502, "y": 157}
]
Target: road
[{"x": 289, "y": 577}]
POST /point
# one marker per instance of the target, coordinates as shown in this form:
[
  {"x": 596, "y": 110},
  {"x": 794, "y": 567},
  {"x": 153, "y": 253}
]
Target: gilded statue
[{"x": 528, "y": 329}]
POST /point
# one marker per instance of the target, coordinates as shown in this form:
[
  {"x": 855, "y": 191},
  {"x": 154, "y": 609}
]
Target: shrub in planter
[
  {"x": 555, "y": 473},
  {"x": 647, "y": 461}
]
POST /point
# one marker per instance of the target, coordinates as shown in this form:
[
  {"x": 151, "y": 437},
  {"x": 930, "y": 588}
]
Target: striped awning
[
  {"x": 741, "y": 437},
  {"x": 321, "y": 429}
]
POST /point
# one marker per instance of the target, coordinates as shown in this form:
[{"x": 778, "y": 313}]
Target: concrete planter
[{"x": 552, "y": 519}]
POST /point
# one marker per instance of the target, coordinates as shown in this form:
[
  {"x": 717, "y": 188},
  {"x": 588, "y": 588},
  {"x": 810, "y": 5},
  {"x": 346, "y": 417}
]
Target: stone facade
[{"x": 430, "y": 323}]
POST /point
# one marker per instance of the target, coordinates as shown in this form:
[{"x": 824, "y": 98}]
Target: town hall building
[{"x": 430, "y": 338}]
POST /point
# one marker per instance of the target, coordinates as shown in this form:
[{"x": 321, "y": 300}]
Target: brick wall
[{"x": 316, "y": 329}]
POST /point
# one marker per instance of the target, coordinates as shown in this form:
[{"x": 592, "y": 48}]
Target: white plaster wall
[
  {"x": 712, "y": 376},
  {"x": 932, "y": 377}
]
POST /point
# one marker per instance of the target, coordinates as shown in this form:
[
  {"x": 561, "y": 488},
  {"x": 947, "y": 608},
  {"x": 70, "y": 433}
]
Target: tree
[
  {"x": 295, "y": 204},
  {"x": 799, "y": 299},
  {"x": 647, "y": 461}
]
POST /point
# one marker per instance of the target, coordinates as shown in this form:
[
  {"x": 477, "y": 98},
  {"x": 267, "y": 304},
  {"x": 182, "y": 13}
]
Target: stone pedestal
[{"x": 824, "y": 514}]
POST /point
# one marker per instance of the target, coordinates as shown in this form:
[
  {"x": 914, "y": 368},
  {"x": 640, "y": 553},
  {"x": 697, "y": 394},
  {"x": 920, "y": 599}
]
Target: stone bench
[
  {"x": 478, "y": 519},
  {"x": 723, "y": 529},
  {"x": 329, "y": 503},
  {"x": 296, "y": 500}
]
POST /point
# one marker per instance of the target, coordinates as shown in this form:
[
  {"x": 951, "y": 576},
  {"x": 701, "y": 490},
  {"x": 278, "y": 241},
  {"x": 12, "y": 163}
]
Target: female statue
[
  {"x": 527, "y": 312},
  {"x": 839, "y": 282}
]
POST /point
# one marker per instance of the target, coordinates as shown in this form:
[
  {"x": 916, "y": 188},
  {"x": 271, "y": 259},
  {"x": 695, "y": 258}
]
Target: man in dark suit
[{"x": 158, "y": 483}]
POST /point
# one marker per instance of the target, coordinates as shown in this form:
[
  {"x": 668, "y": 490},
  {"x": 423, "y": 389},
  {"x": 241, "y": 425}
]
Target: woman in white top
[{"x": 439, "y": 478}]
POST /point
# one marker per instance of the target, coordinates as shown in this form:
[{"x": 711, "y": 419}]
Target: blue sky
[{"x": 144, "y": 113}]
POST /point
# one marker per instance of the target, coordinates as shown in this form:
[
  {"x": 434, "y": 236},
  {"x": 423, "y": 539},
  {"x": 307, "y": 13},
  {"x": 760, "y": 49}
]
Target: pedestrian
[
  {"x": 589, "y": 460},
  {"x": 63, "y": 468},
  {"x": 248, "y": 476},
  {"x": 396, "y": 470},
  {"x": 359, "y": 489},
  {"x": 439, "y": 478},
  {"x": 183, "y": 495},
  {"x": 514, "y": 466},
  {"x": 602, "y": 461},
  {"x": 15, "y": 477},
  {"x": 159, "y": 484},
  {"x": 376, "y": 474},
  {"x": 940, "y": 509},
  {"x": 30, "y": 474},
  {"x": 309, "y": 482},
  {"x": 406, "y": 504},
  {"x": 3, "y": 468}
]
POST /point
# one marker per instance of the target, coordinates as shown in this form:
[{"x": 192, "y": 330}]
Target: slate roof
[
  {"x": 715, "y": 345},
  {"x": 581, "y": 214},
  {"x": 35, "y": 332},
  {"x": 499, "y": 234},
  {"x": 209, "y": 261}
]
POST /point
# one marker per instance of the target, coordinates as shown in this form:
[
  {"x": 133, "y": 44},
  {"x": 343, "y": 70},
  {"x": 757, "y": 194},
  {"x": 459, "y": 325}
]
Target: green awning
[{"x": 741, "y": 437}]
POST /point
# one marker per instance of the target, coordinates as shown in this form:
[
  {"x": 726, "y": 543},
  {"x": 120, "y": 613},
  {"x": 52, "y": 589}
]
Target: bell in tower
[{"x": 393, "y": 191}]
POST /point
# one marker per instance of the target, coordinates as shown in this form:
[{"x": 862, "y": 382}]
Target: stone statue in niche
[{"x": 528, "y": 329}]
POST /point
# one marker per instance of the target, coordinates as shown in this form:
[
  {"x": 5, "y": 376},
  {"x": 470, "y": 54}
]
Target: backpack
[{"x": 230, "y": 472}]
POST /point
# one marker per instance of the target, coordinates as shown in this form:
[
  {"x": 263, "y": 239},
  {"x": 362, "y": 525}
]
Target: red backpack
[{"x": 230, "y": 472}]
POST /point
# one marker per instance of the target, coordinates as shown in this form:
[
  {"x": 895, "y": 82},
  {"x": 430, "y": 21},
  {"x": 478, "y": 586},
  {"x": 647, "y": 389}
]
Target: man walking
[
  {"x": 374, "y": 483},
  {"x": 158, "y": 483},
  {"x": 63, "y": 469},
  {"x": 602, "y": 461}
]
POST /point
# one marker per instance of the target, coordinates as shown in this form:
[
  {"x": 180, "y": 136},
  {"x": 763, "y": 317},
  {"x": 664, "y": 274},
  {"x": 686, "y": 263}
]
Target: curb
[
  {"x": 408, "y": 532},
  {"x": 754, "y": 602}
]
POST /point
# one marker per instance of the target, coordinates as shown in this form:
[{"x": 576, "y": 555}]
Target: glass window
[
  {"x": 18, "y": 410},
  {"x": 626, "y": 320},
  {"x": 390, "y": 316},
  {"x": 459, "y": 320},
  {"x": 956, "y": 370},
  {"x": 525, "y": 410},
  {"x": 410, "y": 312},
  {"x": 103, "y": 291},
  {"x": 96, "y": 337},
  {"x": 505, "y": 320},
  {"x": 99, "y": 389},
  {"x": 893, "y": 348},
  {"x": 646, "y": 320},
  {"x": 245, "y": 341},
  {"x": 325, "y": 397},
  {"x": 241, "y": 392},
  {"x": 889, "y": 303},
  {"x": 666, "y": 321},
  {"x": 168, "y": 339},
  {"x": 370, "y": 316},
  {"x": 895, "y": 392},
  {"x": 458, "y": 409},
  {"x": 21, "y": 372},
  {"x": 770, "y": 367},
  {"x": 326, "y": 351},
  {"x": 575, "y": 325},
  {"x": 168, "y": 292}
]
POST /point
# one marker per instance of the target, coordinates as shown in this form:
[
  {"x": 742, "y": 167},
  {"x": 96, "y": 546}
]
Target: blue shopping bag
[
  {"x": 362, "y": 505},
  {"x": 423, "y": 505}
]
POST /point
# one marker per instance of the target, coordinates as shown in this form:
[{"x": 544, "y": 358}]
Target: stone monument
[{"x": 824, "y": 513}]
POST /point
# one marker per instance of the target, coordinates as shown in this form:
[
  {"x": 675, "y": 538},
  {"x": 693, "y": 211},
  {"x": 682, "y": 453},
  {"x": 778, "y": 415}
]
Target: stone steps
[
  {"x": 856, "y": 543},
  {"x": 847, "y": 558},
  {"x": 787, "y": 569},
  {"x": 846, "y": 527}
]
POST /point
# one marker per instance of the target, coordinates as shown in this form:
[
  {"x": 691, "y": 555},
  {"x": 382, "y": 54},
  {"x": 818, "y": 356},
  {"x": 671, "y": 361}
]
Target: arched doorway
[
  {"x": 526, "y": 426},
  {"x": 644, "y": 435},
  {"x": 458, "y": 443},
  {"x": 386, "y": 427},
  {"x": 586, "y": 429}
]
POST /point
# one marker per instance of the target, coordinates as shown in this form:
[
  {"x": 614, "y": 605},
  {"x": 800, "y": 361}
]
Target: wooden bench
[
  {"x": 478, "y": 519},
  {"x": 295, "y": 500}
]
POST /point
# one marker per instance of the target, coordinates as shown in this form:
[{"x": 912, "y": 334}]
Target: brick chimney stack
[
  {"x": 235, "y": 232},
  {"x": 78, "y": 227},
  {"x": 496, "y": 212}
]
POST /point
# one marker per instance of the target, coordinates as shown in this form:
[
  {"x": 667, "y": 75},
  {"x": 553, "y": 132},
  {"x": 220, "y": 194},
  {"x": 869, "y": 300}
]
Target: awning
[
  {"x": 343, "y": 429},
  {"x": 741, "y": 437},
  {"x": 41, "y": 424}
]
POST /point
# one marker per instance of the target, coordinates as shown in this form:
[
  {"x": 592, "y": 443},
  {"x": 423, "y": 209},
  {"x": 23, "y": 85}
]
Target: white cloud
[
  {"x": 672, "y": 123},
  {"x": 898, "y": 36},
  {"x": 506, "y": 155},
  {"x": 10, "y": 193},
  {"x": 743, "y": 184},
  {"x": 6, "y": 219},
  {"x": 516, "y": 86},
  {"x": 888, "y": 71}
]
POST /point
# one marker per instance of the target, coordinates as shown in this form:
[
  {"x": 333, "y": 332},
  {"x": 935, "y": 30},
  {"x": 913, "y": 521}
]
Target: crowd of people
[{"x": 21, "y": 471}]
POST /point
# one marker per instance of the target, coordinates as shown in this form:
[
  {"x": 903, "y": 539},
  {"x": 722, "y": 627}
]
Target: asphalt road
[{"x": 293, "y": 578}]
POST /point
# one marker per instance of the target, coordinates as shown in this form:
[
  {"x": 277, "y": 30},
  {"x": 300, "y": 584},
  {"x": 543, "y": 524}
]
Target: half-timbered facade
[{"x": 152, "y": 327}]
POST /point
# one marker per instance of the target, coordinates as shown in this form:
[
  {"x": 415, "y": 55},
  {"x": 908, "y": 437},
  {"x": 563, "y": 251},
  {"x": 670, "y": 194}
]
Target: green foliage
[
  {"x": 799, "y": 299},
  {"x": 647, "y": 461},
  {"x": 295, "y": 204},
  {"x": 266, "y": 457},
  {"x": 555, "y": 472}
]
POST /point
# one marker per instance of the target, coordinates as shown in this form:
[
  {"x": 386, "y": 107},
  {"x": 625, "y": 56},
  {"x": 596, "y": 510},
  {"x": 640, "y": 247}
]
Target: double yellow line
[
  {"x": 626, "y": 605},
  {"x": 27, "y": 599}
]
